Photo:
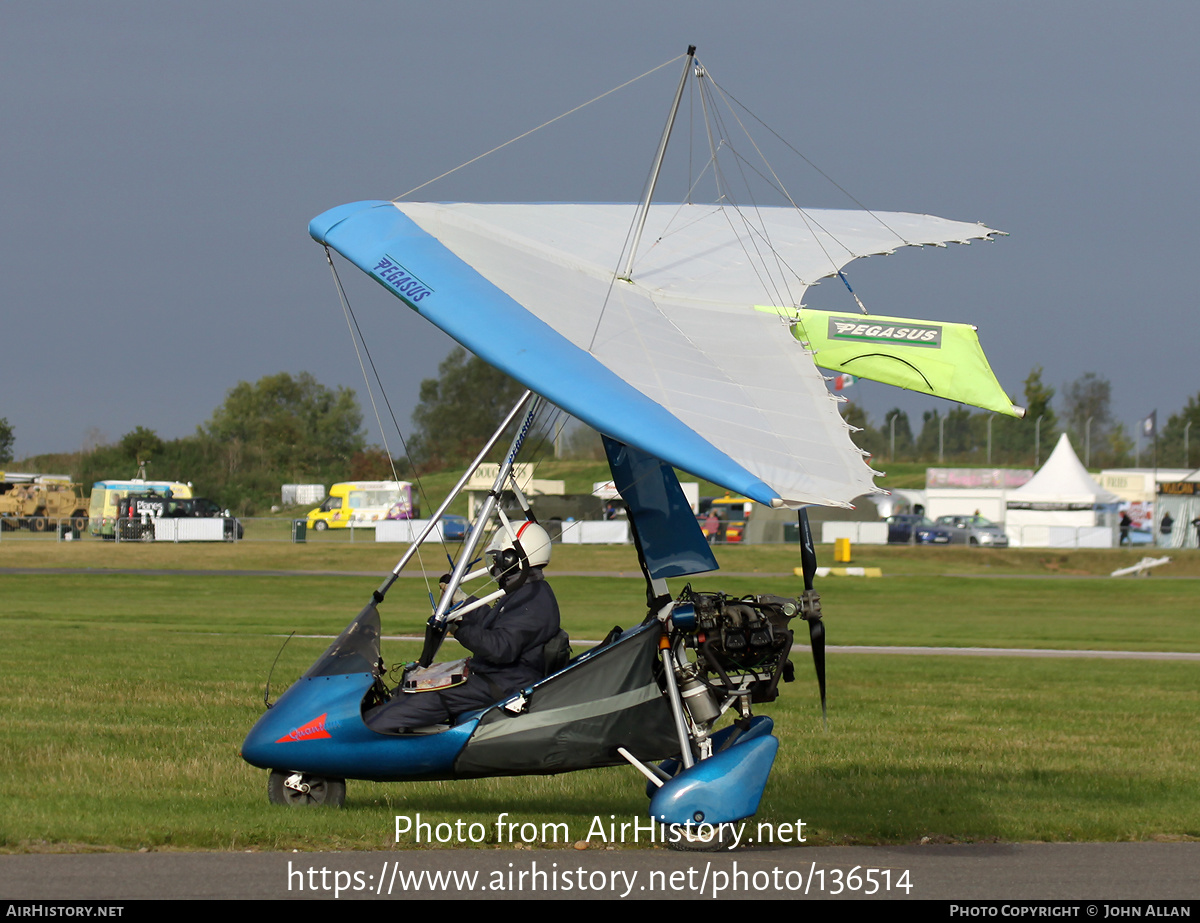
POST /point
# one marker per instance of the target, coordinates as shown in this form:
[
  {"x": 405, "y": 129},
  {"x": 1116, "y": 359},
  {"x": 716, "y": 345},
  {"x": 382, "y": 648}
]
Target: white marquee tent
[{"x": 1059, "y": 506}]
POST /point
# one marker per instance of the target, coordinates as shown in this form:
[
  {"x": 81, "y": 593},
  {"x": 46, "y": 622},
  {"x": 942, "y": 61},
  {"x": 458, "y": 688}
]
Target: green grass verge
[
  {"x": 364, "y": 555},
  {"x": 129, "y": 697},
  {"x": 910, "y": 611}
]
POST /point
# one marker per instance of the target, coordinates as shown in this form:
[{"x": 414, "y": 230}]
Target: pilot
[{"x": 507, "y": 640}]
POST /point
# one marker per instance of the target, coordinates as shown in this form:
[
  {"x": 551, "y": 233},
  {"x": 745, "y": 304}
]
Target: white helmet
[{"x": 534, "y": 542}]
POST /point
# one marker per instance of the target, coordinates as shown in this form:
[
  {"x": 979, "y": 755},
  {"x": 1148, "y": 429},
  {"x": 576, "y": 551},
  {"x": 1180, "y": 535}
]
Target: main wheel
[
  {"x": 80, "y": 524},
  {"x": 298, "y": 789},
  {"x": 702, "y": 838},
  {"x": 321, "y": 525},
  {"x": 38, "y": 524}
]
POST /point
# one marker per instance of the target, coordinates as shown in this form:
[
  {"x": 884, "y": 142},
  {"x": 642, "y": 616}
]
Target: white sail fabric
[{"x": 684, "y": 331}]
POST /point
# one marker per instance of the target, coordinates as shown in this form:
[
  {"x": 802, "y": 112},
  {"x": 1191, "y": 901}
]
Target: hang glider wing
[
  {"x": 932, "y": 357},
  {"x": 675, "y": 361}
]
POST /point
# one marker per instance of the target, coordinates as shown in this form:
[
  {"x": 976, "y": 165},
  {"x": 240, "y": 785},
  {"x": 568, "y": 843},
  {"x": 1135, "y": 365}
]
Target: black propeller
[{"x": 811, "y": 605}]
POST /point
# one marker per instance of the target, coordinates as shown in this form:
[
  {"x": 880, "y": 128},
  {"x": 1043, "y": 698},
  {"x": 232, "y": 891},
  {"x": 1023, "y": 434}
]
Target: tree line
[
  {"x": 286, "y": 429},
  {"x": 951, "y": 434},
  {"x": 292, "y": 429},
  {"x": 468, "y": 399},
  {"x": 281, "y": 429}
]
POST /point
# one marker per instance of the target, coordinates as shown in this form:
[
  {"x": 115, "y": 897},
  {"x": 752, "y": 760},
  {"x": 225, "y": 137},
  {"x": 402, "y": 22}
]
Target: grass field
[
  {"x": 129, "y": 695},
  {"x": 368, "y": 557}
]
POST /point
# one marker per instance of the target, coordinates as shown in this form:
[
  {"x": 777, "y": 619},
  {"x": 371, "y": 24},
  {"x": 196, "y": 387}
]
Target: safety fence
[
  {"x": 277, "y": 529},
  {"x": 144, "y": 529},
  {"x": 1081, "y": 537}
]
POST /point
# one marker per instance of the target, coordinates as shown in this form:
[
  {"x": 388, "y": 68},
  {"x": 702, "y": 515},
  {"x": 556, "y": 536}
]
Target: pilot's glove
[{"x": 443, "y": 582}]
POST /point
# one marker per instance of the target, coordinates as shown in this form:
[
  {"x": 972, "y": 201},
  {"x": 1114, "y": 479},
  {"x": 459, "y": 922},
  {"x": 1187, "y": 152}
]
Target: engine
[{"x": 741, "y": 647}]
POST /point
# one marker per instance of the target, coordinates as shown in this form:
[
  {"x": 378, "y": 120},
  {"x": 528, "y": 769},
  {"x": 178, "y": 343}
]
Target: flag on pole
[
  {"x": 842, "y": 382},
  {"x": 1150, "y": 425}
]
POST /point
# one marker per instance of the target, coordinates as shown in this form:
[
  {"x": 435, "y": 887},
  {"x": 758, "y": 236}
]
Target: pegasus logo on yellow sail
[{"x": 851, "y": 328}]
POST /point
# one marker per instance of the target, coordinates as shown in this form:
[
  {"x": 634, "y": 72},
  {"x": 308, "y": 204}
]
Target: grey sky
[{"x": 160, "y": 163}]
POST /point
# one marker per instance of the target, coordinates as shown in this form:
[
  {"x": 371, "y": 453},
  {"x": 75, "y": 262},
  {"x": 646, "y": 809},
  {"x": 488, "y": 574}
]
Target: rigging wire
[
  {"x": 352, "y": 325},
  {"x": 769, "y": 283},
  {"x": 624, "y": 269},
  {"x": 542, "y": 425},
  {"x": 758, "y": 261},
  {"x": 612, "y": 281},
  {"x": 765, "y": 260},
  {"x": 538, "y": 128},
  {"x": 774, "y": 284},
  {"x": 711, "y": 117},
  {"x": 825, "y": 175},
  {"x": 775, "y": 287},
  {"x": 777, "y": 183},
  {"x": 691, "y": 135}
]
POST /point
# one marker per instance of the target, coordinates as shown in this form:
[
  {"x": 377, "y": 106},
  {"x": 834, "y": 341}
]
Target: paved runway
[{"x": 1085, "y": 872}]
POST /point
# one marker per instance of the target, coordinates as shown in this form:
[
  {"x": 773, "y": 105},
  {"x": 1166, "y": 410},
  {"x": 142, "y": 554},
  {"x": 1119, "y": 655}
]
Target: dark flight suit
[{"x": 506, "y": 642}]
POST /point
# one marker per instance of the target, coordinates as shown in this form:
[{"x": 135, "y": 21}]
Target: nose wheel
[{"x": 299, "y": 789}]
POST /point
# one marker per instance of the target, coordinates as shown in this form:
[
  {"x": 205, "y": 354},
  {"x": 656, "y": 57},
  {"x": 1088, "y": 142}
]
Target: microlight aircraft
[{"x": 692, "y": 353}]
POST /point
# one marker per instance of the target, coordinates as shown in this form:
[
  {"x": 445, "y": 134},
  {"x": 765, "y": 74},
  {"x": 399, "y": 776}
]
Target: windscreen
[{"x": 356, "y": 649}]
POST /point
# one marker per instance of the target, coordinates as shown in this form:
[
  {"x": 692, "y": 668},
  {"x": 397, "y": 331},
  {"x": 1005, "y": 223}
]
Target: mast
[{"x": 644, "y": 211}]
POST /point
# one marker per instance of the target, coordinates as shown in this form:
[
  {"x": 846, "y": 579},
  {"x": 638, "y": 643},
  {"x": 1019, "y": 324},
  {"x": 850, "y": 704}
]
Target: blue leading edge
[{"x": 384, "y": 243}]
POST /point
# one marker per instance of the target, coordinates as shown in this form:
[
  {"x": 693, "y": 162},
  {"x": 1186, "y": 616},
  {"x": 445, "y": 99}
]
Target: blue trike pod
[
  {"x": 725, "y": 787},
  {"x": 316, "y": 726}
]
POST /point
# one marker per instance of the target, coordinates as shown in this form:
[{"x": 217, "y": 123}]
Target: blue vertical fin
[{"x": 672, "y": 542}]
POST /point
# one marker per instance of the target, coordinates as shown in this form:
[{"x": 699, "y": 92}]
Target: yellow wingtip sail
[{"x": 932, "y": 357}]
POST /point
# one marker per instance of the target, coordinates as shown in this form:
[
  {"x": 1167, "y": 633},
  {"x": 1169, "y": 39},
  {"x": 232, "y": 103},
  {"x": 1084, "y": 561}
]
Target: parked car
[
  {"x": 902, "y": 525},
  {"x": 455, "y": 527},
  {"x": 973, "y": 530}
]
